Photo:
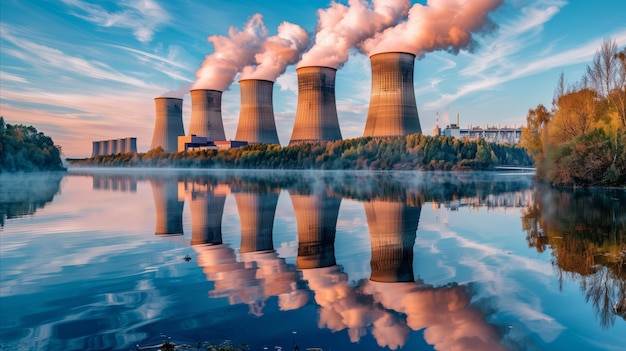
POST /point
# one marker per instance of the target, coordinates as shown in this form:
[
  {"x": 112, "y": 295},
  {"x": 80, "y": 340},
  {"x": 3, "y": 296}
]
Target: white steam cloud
[
  {"x": 262, "y": 57},
  {"x": 341, "y": 28},
  {"x": 438, "y": 25}
]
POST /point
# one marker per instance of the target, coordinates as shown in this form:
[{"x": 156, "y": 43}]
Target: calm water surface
[{"x": 94, "y": 260}]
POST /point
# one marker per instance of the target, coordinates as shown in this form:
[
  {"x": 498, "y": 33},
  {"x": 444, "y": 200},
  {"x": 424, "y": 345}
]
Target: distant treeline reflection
[
  {"x": 415, "y": 152},
  {"x": 586, "y": 231},
  {"x": 23, "y": 194}
]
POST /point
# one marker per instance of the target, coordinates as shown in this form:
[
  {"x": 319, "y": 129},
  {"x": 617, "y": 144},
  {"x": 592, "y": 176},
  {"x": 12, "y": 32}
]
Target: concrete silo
[
  {"x": 316, "y": 114},
  {"x": 392, "y": 110},
  {"x": 316, "y": 216},
  {"x": 206, "y": 114},
  {"x": 392, "y": 227},
  {"x": 168, "y": 125},
  {"x": 256, "y": 117}
]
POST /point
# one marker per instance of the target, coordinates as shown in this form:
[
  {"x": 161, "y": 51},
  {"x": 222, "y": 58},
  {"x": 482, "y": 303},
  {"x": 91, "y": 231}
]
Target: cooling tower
[
  {"x": 206, "y": 218},
  {"x": 392, "y": 227},
  {"x": 316, "y": 216},
  {"x": 131, "y": 145},
  {"x": 168, "y": 209},
  {"x": 392, "y": 110},
  {"x": 168, "y": 125},
  {"x": 316, "y": 114},
  {"x": 206, "y": 114},
  {"x": 95, "y": 150},
  {"x": 113, "y": 146},
  {"x": 256, "y": 117},
  {"x": 256, "y": 214},
  {"x": 104, "y": 147}
]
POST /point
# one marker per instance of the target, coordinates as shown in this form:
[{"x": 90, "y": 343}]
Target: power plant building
[
  {"x": 206, "y": 114},
  {"x": 392, "y": 110},
  {"x": 316, "y": 114},
  {"x": 256, "y": 117},
  {"x": 168, "y": 125}
]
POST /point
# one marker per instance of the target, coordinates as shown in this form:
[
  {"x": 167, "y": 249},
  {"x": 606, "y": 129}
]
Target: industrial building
[
  {"x": 392, "y": 109},
  {"x": 316, "y": 113},
  {"x": 492, "y": 134},
  {"x": 112, "y": 147},
  {"x": 256, "y": 116},
  {"x": 168, "y": 124},
  {"x": 206, "y": 114}
]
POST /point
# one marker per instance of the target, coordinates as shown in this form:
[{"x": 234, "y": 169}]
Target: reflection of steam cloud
[
  {"x": 392, "y": 228},
  {"x": 115, "y": 183},
  {"x": 316, "y": 216},
  {"x": 168, "y": 209}
]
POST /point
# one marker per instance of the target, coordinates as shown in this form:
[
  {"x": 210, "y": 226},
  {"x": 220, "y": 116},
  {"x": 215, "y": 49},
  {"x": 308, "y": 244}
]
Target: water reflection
[
  {"x": 168, "y": 206},
  {"x": 24, "y": 194},
  {"x": 586, "y": 231}
]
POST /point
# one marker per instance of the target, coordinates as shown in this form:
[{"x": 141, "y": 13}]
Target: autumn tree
[{"x": 536, "y": 121}]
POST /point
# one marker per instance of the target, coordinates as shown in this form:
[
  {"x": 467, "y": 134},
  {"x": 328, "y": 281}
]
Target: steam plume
[
  {"x": 278, "y": 51},
  {"x": 231, "y": 55},
  {"x": 340, "y": 28},
  {"x": 438, "y": 25}
]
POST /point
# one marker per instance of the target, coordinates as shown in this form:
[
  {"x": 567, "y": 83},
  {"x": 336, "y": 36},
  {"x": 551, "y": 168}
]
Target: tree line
[
  {"x": 581, "y": 139},
  {"x": 412, "y": 152},
  {"x": 24, "y": 149}
]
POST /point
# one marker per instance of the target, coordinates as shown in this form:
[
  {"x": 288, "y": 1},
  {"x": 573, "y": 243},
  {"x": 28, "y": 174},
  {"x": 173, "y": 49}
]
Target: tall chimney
[
  {"x": 206, "y": 114},
  {"x": 392, "y": 227},
  {"x": 256, "y": 117},
  {"x": 168, "y": 125},
  {"x": 316, "y": 114},
  {"x": 392, "y": 110}
]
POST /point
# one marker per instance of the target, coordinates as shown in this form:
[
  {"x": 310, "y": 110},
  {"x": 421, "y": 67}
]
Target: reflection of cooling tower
[
  {"x": 168, "y": 125},
  {"x": 392, "y": 227},
  {"x": 316, "y": 216},
  {"x": 392, "y": 110},
  {"x": 206, "y": 114},
  {"x": 316, "y": 115},
  {"x": 169, "y": 211},
  {"x": 256, "y": 117},
  {"x": 206, "y": 218},
  {"x": 256, "y": 214}
]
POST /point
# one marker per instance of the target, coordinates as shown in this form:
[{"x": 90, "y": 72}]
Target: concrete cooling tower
[
  {"x": 256, "y": 117},
  {"x": 393, "y": 227},
  {"x": 316, "y": 216},
  {"x": 392, "y": 110},
  {"x": 316, "y": 114},
  {"x": 168, "y": 125},
  {"x": 95, "y": 150},
  {"x": 206, "y": 114},
  {"x": 168, "y": 208}
]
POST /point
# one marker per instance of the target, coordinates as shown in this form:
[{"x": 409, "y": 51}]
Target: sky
[{"x": 81, "y": 71}]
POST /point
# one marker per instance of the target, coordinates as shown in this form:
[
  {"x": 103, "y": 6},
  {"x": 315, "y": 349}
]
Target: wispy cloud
[
  {"x": 12, "y": 77},
  {"x": 143, "y": 17}
]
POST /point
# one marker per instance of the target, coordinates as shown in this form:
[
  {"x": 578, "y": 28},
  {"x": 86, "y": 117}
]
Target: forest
[
  {"x": 24, "y": 149},
  {"x": 412, "y": 152},
  {"x": 581, "y": 140}
]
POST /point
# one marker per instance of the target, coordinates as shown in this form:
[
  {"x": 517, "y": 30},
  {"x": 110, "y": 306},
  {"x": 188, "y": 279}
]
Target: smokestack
[
  {"x": 256, "y": 117},
  {"x": 393, "y": 227},
  {"x": 95, "y": 150},
  {"x": 316, "y": 115},
  {"x": 457, "y": 120},
  {"x": 206, "y": 114},
  {"x": 168, "y": 125},
  {"x": 392, "y": 110}
]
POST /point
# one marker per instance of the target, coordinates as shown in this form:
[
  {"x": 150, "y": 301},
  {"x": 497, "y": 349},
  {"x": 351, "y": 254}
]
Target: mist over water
[{"x": 110, "y": 259}]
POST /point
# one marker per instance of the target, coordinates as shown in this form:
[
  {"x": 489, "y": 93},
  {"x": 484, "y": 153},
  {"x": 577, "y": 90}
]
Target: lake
[{"x": 108, "y": 259}]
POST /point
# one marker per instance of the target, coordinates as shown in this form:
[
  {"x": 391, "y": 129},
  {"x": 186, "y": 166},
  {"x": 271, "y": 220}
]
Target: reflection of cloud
[{"x": 450, "y": 322}]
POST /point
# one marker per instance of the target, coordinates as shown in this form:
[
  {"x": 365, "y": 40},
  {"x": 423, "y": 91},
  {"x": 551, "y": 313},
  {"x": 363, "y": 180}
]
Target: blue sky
[{"x": 89, "y": 70}]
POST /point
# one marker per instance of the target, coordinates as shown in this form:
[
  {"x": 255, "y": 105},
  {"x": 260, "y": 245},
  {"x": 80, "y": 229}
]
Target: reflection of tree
[
  {"x": 22, "y": 195},
  {"x": 586, "y": 231}
]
